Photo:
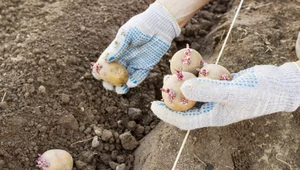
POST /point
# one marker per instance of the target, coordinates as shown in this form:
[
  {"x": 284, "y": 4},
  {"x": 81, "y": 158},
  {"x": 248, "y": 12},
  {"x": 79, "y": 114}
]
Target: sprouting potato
[
  {"x": 186, "y": 64},
  {"x": 171, "y": 93},
  {"x": 186, "y": 59},
  {"x": 55, "y": 159},
  {"x": 214, "y": 71},
  {"x": 110, "y": 72}
]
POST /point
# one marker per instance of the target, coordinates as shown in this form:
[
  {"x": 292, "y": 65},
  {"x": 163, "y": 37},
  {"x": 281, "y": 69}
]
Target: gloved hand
[
  {"x": 257, "y": 91},
  {"x": 140, "y": 43}
]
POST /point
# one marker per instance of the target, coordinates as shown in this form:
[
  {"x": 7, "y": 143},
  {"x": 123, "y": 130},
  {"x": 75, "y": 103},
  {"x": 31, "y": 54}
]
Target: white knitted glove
[
  {"x": 140, "y": 43},
  {"x": 257, "y": 91}
]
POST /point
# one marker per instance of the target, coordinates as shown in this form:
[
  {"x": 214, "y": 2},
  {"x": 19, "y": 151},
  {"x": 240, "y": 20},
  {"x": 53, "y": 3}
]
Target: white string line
[
  {"x": 3, "y": 97},
  {"x": 222, "y": 49},
  {"x": 231, "y": 26},
  {"x": 180, "y": 150}
]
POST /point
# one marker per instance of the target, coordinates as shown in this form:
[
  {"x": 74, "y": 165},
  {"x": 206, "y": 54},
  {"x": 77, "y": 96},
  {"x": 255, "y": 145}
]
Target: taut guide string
[{"x": 222, "y": 49}]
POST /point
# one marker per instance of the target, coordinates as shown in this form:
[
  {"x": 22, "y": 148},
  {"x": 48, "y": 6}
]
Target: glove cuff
[
  {"x": 292, "y": 83},
  {"x": 174, "y": 21},
  {"x": 158, "y": 20},
  {"x": 291, "y": 69}
]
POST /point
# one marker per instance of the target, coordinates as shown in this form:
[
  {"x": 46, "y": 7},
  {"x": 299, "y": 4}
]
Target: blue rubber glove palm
[
  {"x": 140, "y": 43},
  {"x": 253, "y": 92}
]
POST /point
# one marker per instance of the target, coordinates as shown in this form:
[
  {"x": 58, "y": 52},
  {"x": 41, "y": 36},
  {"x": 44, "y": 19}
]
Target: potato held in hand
[
  {"x": 214, "y": 71},
  {"x": 186, "y": 59},
  {"x": 171, "y": 93},
  {"x": 112, "y": 72}
]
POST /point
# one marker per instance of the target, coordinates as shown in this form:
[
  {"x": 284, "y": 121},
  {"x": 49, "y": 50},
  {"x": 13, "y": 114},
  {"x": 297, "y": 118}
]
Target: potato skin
[
  {"x": 58, "y": 160},
  {"x": 114, "y": 73},
  {"x": 174, "y": 85},
  {"x": 111, "y": 72},
  {"x": 214, "y": 71},
  {"x": 196, "y": 61}
]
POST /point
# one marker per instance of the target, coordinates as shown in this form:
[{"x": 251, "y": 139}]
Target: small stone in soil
[
  {"x": 121, "y": 167},
  {"x": 128, "y": 141},
  {"x": 131, "y": 125},
  {"x": 69, "y": 121},
  {"x": 120, "y": 158},
  {"x": 87, "y": 156},
  {"x": 80, "y": 165},
  {"x": 114, "y": 155},
  {"x": 105, "y": 158},
  {"x": 106, "y": 135},
  {"x": 95, "y": 142},
  {"x": 134, "y": 113},
  {"x": 88, "y": 130},
  {"x": 65, "y": 98},
  {"x": 113, "y": 164},
  {"x": 42, "y": 89},
  {"x": 140, "y": 129},
  {"x": 111, "y": 109},
  {"x": 42, "y": 62},
  {"x": 98, "y": 131},
  {"x": 30, "y": 80}
]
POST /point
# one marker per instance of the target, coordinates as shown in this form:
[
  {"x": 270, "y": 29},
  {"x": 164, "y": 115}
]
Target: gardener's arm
[
  {"x": 181, "y": 10},
  {"x": 145, "y": 38}
]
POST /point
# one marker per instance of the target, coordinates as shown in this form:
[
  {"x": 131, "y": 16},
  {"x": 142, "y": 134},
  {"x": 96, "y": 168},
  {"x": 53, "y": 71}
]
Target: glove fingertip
[
  {"x": 200, "y": 89},
  {"x": 187, "y": 89},
  {"x": 157, "y": 107},
  {"x": 108, "y": 86},
  {"x": 136, "y": 76},
  {"x": 132, "y": 82},
  {"x": 122, "y": 89}
]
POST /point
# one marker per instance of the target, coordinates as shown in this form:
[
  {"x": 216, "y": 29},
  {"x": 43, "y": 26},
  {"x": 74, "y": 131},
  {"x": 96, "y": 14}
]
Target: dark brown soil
[{"x": 52, "y": 100}]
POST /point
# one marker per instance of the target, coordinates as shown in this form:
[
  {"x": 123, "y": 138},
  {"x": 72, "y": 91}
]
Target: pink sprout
[
  {"x": 92, "y": 65},
  {"x": 171, "y": 94},
  {"x": 99, "y": 67},
  {"x": 41, "y": 162},
  {"x": 201, "y": 62},
  {"x": 179, "y": 74},
  {"x": 188, "y": 50},
  {"x": 166, "y": 90},
  {"x": 187, "y": 58},
  {"x": 184, "y": 101},
  {"x": 203, "y": 72},
  {"x": 96, "y": 67},
  {"x": 224, "y": 77}
]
